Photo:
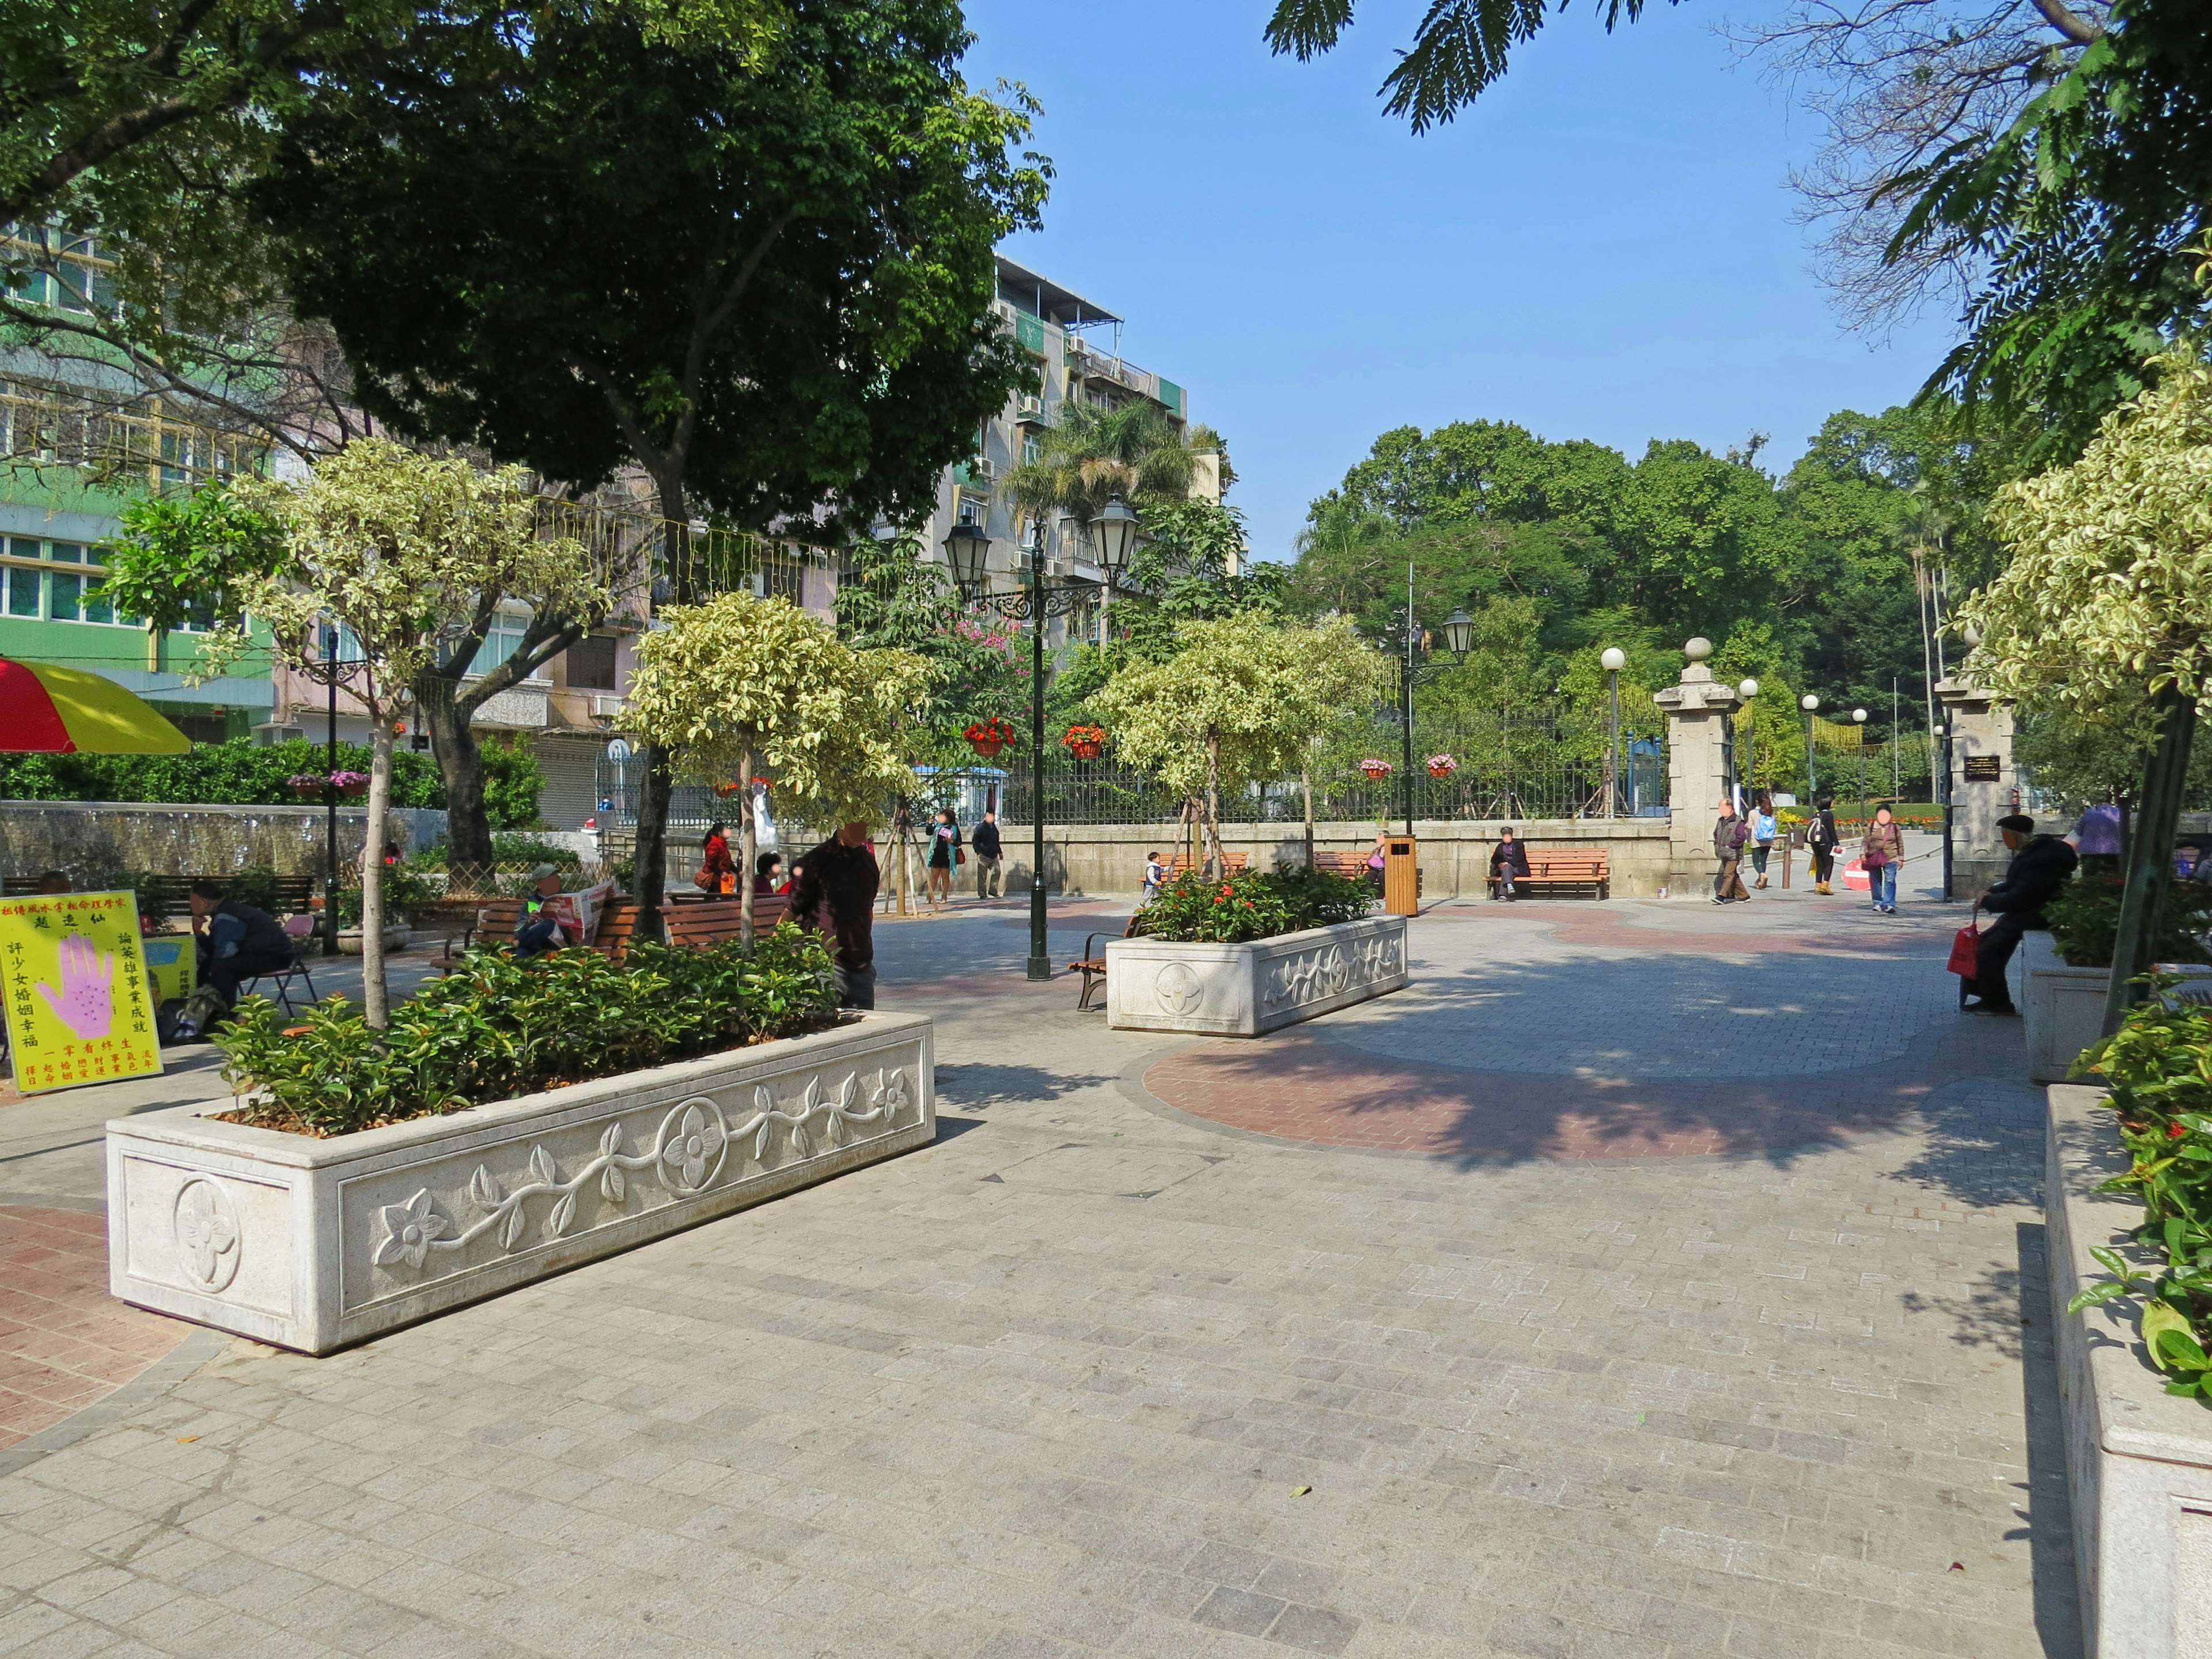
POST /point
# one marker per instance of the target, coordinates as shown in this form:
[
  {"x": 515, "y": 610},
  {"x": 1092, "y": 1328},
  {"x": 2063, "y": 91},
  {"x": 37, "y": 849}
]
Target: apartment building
[{"x": 1076, "y": 346}]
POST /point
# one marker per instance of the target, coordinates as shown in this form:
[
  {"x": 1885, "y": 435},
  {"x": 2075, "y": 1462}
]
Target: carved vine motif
[
  {"x": 1330, "y": 970},
  {"x": 687, "y": 1154}
]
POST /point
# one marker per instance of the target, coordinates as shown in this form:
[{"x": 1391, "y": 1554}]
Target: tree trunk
[
  {"x": 2150, "y": 857},
  {"x": 1305, "y": 784},
  {"x": 748, "y": 850},
  {"x": 460, "y": 765},
  {"x": 1217, "y": 865},
  {"x": 375, "y": 1002},
  {"x": 653, "y": 840}
]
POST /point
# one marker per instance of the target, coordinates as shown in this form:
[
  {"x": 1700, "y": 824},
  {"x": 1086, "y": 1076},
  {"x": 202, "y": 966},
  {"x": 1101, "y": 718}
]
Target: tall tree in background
[{"x": 771, "y": 290}]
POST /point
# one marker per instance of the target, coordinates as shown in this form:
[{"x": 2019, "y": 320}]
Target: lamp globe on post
[
  {"x": 1114, "y": 538},
  {"x": 1747, "y": 687},
  {"x": 1613, "y": 659},
  {"x": 967, "y": 547},
  {"x": 1459, "y": 634}
]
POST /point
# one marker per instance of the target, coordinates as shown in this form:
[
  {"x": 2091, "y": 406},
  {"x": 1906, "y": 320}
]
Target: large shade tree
[
  {"x": 768, "y": 286},
  {"x": 2106, "y": 608},
  {"x": 738, "y": 683}
]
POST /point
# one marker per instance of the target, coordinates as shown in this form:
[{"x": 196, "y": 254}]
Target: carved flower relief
[
  {"x": 207, "y": 1234},
  {"x": 692, "y": 1149},
  {"x": 896, "y": 1097},
  {"x": 1178, "y": 989},
  {"x": 407, "y": 1229}
]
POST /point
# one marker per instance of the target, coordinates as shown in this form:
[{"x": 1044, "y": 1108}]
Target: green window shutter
[
  {"x": 1029, "y": 333},
  {"x": 1171, "y": 395}
]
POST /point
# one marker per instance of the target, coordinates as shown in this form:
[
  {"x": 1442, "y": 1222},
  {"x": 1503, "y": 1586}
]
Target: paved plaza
[{"x": 1648, "y": 1279}]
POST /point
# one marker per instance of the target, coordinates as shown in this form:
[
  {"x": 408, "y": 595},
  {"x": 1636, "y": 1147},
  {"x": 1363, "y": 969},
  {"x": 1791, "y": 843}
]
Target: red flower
[{"x": 2175, "y": 1131}]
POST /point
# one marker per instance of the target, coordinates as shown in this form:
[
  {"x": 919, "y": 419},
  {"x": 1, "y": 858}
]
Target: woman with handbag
[
  {"x": 945, "y": 856},
  {"x": 1881, "y": 852},
  {"x": 718, "y": 871}
]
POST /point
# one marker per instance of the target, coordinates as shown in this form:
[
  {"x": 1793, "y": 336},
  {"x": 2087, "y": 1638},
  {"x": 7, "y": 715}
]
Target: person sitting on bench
[
  {"x": 1508, "y": 859},
  {"x": 548, "y": 918}
]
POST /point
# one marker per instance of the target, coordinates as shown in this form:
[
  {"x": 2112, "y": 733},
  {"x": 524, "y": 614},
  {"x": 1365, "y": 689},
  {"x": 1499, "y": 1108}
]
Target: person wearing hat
[
  {"x": 2040, "y": 868},
  {"x": 547, "y": 913}
]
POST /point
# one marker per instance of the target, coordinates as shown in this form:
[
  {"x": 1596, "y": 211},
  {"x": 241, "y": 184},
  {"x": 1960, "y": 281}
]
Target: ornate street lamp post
[
  {"x": 1113, "y": 536},
  {"x": 1859, "y": 720},
  {"x": 1459, "y": 639},
  {"x": 1808, "y": 703},
  {"x": 1747, "y": 688},
  {"x": 1612, "y": 659}
]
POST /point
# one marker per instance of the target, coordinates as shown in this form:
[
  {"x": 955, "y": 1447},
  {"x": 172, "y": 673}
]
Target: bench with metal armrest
[{"x": 1092, "y": 962}]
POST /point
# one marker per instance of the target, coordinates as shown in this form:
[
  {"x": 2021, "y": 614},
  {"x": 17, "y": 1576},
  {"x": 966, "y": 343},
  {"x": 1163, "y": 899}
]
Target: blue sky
[{"x": 1603, "y": 248}]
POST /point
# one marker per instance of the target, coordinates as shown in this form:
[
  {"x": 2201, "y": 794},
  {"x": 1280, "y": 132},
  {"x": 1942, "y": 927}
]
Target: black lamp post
[
  {"x": 1459, "y": 639},
  {"x": 1114, "y": 535},
  {"x": 1808, "y": 703},
  {"x": 330, "y": 799}
]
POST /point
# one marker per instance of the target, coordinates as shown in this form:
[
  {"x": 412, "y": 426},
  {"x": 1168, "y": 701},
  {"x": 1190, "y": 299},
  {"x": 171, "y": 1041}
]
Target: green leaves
[
  {"x": 181, "y": 560},
  {"x": 1191, "y": 909},
  {"x": 499, "y": 1027}
]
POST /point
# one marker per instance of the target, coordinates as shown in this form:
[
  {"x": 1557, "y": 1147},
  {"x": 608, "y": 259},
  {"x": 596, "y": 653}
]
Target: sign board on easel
[{"x": 74, "y": 974}]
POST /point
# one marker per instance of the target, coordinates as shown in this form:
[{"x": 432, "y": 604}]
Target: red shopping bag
[{"x": 1965, "y": 950}]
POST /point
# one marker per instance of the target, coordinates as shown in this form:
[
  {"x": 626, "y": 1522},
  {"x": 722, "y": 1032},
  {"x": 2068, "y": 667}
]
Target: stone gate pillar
[
  {"x": 1985, "y": 786},
  {"x": 1698, "y": 713}
]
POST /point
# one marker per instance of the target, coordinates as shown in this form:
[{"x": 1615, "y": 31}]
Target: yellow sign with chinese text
[
  {"x": 173, "y": 963},
  {"x": 74, "y": 974}
]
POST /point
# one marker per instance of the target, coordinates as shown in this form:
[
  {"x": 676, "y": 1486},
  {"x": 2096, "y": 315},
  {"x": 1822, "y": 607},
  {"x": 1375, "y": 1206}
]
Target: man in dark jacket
[
  {"x": 1508, "y": 860},
  {"x": 2040, "y": 869},
  {"x": 1730, "y": 834},
  {"x": 835, "y": 894},
  {"x": 238, "y": 941},
  {"x": 983, "y": 839}
]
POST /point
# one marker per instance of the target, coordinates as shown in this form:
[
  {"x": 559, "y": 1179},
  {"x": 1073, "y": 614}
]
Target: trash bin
[{"x": 1401, "y": 876}]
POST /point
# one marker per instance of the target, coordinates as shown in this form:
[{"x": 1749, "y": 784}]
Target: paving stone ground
[{"x": 1051, "y": 1386}]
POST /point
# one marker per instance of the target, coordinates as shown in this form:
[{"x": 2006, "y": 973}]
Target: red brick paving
[
  {"x": 1301, "y": 1086},
  {"x": 64, "y": 1341}
]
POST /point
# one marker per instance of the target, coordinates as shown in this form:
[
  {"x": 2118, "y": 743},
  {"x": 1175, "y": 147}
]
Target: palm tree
[{"x": 1097, "y": 453}]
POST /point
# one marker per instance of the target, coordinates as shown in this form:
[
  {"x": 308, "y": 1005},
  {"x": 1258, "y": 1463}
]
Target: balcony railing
[{"x": 42, "y": 428}]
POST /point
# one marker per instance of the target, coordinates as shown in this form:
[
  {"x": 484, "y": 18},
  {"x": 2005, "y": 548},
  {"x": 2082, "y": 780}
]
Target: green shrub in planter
[
  {"x": 2159, "y": 1068},
  {"x": 1195, "y": 909},
  {"x": 500, "y": 1026},
  {"x": 2085, "y": 919}
]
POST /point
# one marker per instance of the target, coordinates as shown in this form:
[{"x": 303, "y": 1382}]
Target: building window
[
  {"x": 22, "y": 584},
  {"x": 504, "y": 639},
  {"x": 1032, "y": 448},
  {"x": 592, "y": 664}
]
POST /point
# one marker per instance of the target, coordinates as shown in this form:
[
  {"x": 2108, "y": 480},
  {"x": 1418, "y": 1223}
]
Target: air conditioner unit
[
  {"x": 982, "y": 469},
  {"x": 1029, "y": 409},
  {"x": 606, "y": 705}
]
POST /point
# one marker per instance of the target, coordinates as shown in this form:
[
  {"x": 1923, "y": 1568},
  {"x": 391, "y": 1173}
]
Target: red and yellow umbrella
[{"x": 46, "y": 709}]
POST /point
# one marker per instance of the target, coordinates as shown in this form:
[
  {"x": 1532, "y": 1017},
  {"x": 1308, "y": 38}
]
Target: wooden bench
[
  {"x": 1354, "y": 864},
  {"x": 496, "y": 919},
  {"x": 1235, "y": 863},
  {"x": 717, "y": 922},
  {"x": 160, "y": 898},
  {"x": 1565, "y": 872},
  {"x": 1092, "y": 962}
]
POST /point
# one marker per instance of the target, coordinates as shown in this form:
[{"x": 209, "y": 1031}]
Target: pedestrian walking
[
  {"x": 1881, "y": 852},
  {"x": 1508, "y": 859},
  {"x": 945, "y": 856},
  {"x": 1764, "y": 828},
  {"x": 989, "y": 858},
  {"x": 2040, "y": 867},
  {"x": 718, "y": 871},
  {"x": 1730, "y": 834},
  {"x": 1155, "y": 873},
  {"x": 835, "y": 894},
  {"x": 1822, "y": 838}
]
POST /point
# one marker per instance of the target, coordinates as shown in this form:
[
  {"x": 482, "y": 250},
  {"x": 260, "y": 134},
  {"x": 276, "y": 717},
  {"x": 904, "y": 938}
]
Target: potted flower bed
[
  {"x": 2128, "y": 1198},
  {"x": 2068, "y": 970},
  {"x": 1241, "y": 955},
  {"x": 515, "y": 1120}
]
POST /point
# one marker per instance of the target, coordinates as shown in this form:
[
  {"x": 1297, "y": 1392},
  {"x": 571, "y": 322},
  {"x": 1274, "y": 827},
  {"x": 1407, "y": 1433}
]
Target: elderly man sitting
[{"x": 550, "y": 918}]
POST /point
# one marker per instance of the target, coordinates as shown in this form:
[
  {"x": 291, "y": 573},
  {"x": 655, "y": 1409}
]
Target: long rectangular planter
[
  {"x": 1243, "y": 990},
  {"x": 2138, "y": 1461},
  {"x": 313, "y": 1244},
  {"x": 2063, "y": 1008}
]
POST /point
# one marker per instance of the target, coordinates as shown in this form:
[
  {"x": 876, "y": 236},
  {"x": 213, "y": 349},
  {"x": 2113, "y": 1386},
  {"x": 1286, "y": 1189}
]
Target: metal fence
[{"x": 1533, "y": 767}]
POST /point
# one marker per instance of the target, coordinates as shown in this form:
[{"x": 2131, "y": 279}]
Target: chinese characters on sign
[{"x": 74, "y": 974}]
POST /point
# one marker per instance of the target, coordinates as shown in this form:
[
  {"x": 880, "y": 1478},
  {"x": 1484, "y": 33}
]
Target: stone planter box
[
  {"x": 1243, "y": 990},
  {"x": 2063, "y": 1007},
  {"x": 395, "y": 939},
  {"x": 2138, "y": 1461},
  {"x": 313, "y": 1244}
]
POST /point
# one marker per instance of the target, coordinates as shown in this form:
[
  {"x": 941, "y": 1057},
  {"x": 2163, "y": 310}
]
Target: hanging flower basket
[
  {"x": 1085, "y": 741},
  {"x": 308, "y": 786},
  {"x": 1442, "y": 766},
  {"x": 1376, "y": 770},
  {"x": 990, "y": 736},
  {"x": 351, "y": 785},
  {"x": 728, "y": 788}
]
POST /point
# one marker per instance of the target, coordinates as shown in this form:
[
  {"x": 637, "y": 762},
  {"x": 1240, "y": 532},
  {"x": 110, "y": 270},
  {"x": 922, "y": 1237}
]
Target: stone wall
[
  {"x": 1109, "y": 858},
  {"x": 90, "y": 838}
]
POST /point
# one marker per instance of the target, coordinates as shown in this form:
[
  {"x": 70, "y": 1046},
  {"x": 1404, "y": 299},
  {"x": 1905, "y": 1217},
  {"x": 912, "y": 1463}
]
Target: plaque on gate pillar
[{"x": 1984, "y": 768}]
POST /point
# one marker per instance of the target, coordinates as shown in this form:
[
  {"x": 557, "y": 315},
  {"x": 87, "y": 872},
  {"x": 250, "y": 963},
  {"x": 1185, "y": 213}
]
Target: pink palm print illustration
[{"x": 86, "y": 1003}]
